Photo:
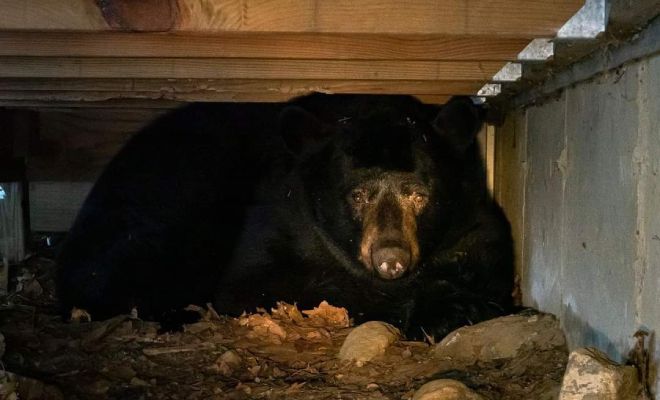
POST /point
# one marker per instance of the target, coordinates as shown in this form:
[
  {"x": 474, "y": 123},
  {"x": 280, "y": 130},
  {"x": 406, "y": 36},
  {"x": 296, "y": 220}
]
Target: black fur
[{"x": 209, "y": 202}]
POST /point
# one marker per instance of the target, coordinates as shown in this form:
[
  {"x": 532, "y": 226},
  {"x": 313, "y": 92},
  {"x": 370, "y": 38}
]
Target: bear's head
[{"x": 384, "y": 176}]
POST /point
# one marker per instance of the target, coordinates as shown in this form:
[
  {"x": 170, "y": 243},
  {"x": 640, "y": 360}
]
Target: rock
[
  {"x": 123, "y": 372},
  {"x": 28, "y": 285},
  {"x": 98, "y": 388},
  {"x": 8, "y": 386},
  {"x": 368, "y": 341},
  {"x": 101, "y": 330},
  {"x": 227, "y": 363},
  {"x": 445, "y": 389},
  {"x": 232, "y": 358},
  {"x": 135, "y": 381},
  {"x": 198, "y": 327},
  {"x": 14, "y": 386},
  {"x": 501, "y": 338},
  {"x": 591, "y": 375}
]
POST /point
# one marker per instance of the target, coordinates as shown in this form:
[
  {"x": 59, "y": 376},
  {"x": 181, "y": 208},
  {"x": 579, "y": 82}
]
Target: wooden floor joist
[
  {"x": 210, "y": 86},
  {"x": 245, "y": 68},
  {"x": 186, "y": 90},
  {"x": 159, "y": 53},
  {"x": 224, "y": 96},
  {"x": 160, "y": 104},
  {"x": 262, "y": 45},
  {"x": 64, "y": 106},
  {"x": 515, "y": 18}
]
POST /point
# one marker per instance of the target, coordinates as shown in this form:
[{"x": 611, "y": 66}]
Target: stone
[
  {"x": 591, "y": 375},
  {"x": 232, "y": 358},
  {"x": 123, "y": 372},
  {"x": 135, "y": 381},
  {"x": 503, "y": 338},
  {"x": 367, "y": 341},
  {"x": 445, "y": 389},
  {"x": 19, "y": 387}
]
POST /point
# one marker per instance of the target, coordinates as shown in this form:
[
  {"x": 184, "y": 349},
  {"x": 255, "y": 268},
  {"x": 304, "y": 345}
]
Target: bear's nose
[{"x": 390, "y": 262}]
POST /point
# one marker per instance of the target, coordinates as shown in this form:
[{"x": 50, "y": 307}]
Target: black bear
[{"x": 374, "y": 203}]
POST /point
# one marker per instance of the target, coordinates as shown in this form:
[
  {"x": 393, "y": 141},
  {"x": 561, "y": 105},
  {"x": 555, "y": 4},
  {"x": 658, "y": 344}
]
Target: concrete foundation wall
[{"x": 579, "y": 176}]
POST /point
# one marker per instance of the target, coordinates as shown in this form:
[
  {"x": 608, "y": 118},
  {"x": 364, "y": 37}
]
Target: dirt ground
[{"x": 283, "y": 353}]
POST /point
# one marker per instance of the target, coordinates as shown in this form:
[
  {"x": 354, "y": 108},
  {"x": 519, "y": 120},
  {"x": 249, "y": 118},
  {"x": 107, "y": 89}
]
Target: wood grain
[
  {"x": 68, "y": 106},
  {"x": 530, "y": 18},
  {"x": 55, "y": 98},
  {"x": 140, "y": 16},
  {"x": 262, "y": 45},
  {"x": 92, "y": 96},
  {"x": 43, "y": 90},
  {"x": 210, "y": 86},
  {"x": 71, "y": 67}
]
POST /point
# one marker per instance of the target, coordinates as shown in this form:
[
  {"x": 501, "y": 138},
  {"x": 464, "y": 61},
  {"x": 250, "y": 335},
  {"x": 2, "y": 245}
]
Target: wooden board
[
  {"x": 231, "y": 68},
  {"x": 293, "y": 86},
  {"x": 259, "y": 50},
  {"x": 102, "y": 96},
  {"x": 158, "y": 104},
  {"x": 262, "y": 45},
  {"x": 160, "y": 90},
  {"x": 68, "y": 106},
  {"x": 510, "y": 174},
  {"x": 531, "y": 18}
]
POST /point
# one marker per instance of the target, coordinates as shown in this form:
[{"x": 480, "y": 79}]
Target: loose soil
[{"x": 284, "y": 353}]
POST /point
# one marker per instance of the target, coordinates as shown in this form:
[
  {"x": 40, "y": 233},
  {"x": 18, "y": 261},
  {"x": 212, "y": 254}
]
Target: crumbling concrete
[{"x": 590, "y": 375}]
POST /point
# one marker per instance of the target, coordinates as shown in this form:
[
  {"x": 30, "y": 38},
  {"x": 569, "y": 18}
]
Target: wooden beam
[
  {"x": 529, "y": 18},
  {"x": 262, "y": 45},
  {"x": 65, "y": 67},
  {"x": 490, "y": 159},
  {"x": 66, "y": 106},
  {"x": 91, "y": 96},
  {"x": 148, "y": 104},
  {"x": 175, "y": 87},
  {"x": 433, "y": 98},
  {"x": 226, "y": 96},
  {"x": 187, "y": 90}
]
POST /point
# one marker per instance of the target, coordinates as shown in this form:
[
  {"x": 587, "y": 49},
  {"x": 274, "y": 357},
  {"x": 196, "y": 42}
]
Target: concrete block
[
  {"x": 544, "y": 205},
  {"x": 600, "y": 208}
]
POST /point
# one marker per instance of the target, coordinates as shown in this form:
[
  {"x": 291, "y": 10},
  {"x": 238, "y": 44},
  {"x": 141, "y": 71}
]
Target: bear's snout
[
  {"x": 390, "y": 262},
  {"x": 389, "y": 244}
]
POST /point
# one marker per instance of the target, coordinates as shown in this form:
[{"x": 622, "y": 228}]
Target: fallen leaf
[
  {"x": 263, "y": 325},
  {"x": 325, "y": 314}
]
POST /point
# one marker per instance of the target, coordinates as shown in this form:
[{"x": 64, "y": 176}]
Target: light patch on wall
[{"x": 3, "y": 194}]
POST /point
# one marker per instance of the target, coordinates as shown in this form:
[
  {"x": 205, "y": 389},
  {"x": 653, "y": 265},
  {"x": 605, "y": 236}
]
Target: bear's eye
[
  {"x": 419, "y": 199},
  {"x": 359, "y": 196}
]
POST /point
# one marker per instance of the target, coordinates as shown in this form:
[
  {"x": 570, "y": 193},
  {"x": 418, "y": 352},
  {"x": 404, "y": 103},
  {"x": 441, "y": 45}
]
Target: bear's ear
[
  {"x": 302, "y": 132},
  {"x": 458, "y": 122}
]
